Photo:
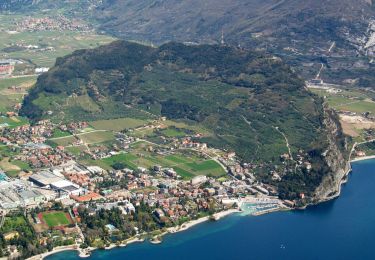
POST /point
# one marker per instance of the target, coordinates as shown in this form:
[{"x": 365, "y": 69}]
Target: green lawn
[{"x": 57, "y": 218}]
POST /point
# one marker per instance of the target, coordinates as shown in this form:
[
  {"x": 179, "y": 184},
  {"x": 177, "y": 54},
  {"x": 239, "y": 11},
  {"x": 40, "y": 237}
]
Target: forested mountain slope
[{"x": 250, "y": 102}]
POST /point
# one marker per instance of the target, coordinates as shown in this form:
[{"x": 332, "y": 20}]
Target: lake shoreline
[
  {"x": 217, "y": 216},
  {"x": 84, "y": 253}
]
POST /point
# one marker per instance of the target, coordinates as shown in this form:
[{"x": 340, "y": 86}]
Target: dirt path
[{"x": 286, "y": 141}]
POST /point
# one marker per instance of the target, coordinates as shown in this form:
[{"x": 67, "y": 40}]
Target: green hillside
[{"x": 250, "y": 102}]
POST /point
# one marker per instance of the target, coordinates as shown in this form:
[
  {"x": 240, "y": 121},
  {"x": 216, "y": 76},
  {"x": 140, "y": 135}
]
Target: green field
[
  {"x": 176, "y": 159},
  {"x": 64, "y": 141},
  {"x": 76, "y": 150},
  {"x": 204, "y": 166},
  {"x": 117, "y": 124},
  {"x": 173, "y": 132},
  {"x": 63, "y": 42},
  {"x": 10, "y": 97},
  {"x": 57, "y": 218},
  {"x": 348, "y": 100},
  {"x": 20, "y": 81},
  {"x": 93, "y": 137},
  {"x": 57, "y": 133},
  {"x": 16, "y": 223},
  {"x": 7, "y": 102},
  {"x": 96, "y": 137},
  {"x": 126, "y": 159},
  {"x": 192, "y": 126},
  {"x": 13, "y": 121},
  {"x": 187, "y": 166}
]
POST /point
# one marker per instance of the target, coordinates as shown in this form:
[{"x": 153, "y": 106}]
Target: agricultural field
[
  {"x": 12, "y": 91},
  {"x": 90, "y": 137},
  {"x": 61, "y": 42},
  {"x": 13, "y": 122},
  {"x": 59, "y": 133},
  {"x": 186, "y": 164},
  {"x": 117, "y": 125},
  {"x": 55, "y": 218},
  {"x": 192, "y": 126},
  {"x": 127, "y": 159},
  {"x": 23, "y": 83},
  {"x": 63, "y": 141},
  {"x": 173, "y": 132},
  {"x": 95, "y": 137},
  {"x": 76, "y": 150},
  {"x": 13, "y": 168},
  {"x": 7, "y": 102},
  {"x": 348, "y": 100},
  {"x": 358, "y": 102}
]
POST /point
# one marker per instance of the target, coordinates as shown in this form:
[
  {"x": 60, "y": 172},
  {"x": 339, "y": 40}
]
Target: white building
[{"x": 67, "y": 187}]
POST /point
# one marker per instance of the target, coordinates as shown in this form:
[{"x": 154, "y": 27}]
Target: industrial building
[
  {"x": 44, "y": 178},
  {"x": 19, "y": 193}
]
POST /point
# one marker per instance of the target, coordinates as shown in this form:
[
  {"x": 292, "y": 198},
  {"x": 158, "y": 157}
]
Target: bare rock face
[{"x": 337, "y": 159}]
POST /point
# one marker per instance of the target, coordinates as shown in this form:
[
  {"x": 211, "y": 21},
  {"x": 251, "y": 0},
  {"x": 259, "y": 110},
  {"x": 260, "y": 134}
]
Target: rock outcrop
[{"x": 337, "y": 159}]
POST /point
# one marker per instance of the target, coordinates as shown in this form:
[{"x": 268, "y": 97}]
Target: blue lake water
[{"x": 340, "y": 229}]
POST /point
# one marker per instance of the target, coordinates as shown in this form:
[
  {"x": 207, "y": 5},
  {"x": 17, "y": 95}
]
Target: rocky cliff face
[{"x": 336, "y": 157}]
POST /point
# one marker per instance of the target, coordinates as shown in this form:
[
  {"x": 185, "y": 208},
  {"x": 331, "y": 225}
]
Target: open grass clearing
[
  {"x": 185, "y": 166},
  {"x": 13, "y": 122},
  {"x": 22, "y": 82},
  {"x": 95, "y": 137},
  {"x": 118, "y": 124},
  {"x": 64, "y": 141}
]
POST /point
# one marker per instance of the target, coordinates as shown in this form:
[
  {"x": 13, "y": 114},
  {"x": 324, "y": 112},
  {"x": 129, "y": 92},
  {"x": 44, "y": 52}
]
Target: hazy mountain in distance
[{"x": 301, "y": 32}]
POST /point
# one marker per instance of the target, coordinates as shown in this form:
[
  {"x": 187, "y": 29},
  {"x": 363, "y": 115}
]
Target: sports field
[{"x": 55, "y": 218}]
